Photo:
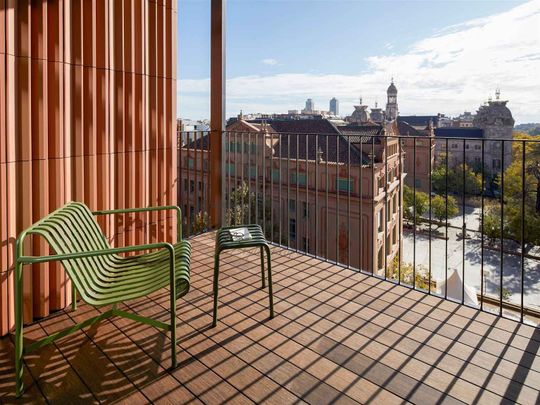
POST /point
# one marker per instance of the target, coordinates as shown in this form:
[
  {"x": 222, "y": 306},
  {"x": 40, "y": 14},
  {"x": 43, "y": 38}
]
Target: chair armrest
[
  {"x": 104, "y": 252},
  {"x": 148, "y": 209}
]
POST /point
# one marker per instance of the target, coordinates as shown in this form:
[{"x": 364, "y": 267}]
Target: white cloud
[
  {"x": 455, "y": 70},
  {"x": 269, "y": 62}
]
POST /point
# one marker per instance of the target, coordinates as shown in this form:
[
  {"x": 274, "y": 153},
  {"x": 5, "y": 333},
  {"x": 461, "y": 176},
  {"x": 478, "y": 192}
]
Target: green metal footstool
[{"x": 224, "y": 242}]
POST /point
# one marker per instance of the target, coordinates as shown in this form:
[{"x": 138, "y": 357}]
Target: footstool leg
[
  {"x": 216, "y": 276},
  {"x": 262, "y": 268},
  {"x": 270, "y": 292}
]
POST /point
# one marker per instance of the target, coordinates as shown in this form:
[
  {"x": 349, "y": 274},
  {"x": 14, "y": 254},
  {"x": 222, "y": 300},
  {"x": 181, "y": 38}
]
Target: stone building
[
  {"x": 489, "y": 138},
  {"x": 334, "y": 191},
  {"x": 418, "y": 148}
]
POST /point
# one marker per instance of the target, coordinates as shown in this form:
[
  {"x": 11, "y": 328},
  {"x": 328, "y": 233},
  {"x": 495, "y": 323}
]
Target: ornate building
[
  {"x": 490, "y": 138},
  {"x": 392, "y": 110}
]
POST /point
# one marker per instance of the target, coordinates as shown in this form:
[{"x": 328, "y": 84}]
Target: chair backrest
[{"x": 72, "y": 229}]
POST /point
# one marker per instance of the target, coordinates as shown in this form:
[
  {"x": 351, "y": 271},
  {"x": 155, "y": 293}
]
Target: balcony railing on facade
[{"x": 452, "y": 217}]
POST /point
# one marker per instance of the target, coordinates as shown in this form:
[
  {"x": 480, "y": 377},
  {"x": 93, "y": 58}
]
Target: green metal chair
[
  {"x": 224, "y": 242},
  {"x": 99, "y": 274}
]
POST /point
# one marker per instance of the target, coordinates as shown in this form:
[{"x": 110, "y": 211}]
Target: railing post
[{"x": 217, "y": 113}]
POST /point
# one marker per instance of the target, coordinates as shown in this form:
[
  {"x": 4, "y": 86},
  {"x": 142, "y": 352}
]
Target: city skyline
[{"x": 450, "y": 66}]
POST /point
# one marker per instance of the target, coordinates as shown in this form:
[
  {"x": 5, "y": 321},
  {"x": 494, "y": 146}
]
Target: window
[
  {"x": 230, "y": 168},
  {"x": 305, "y": 209},
  {"x": 304, "y": 244},
  {"x": 191, "y": 185},
  {"x": 395, "y": 205},
  {"x": 477, "y": 147},
  {"x": 292, "y": 229},
  {"x": 496, "y": 163},
  {"x": 344, "y": 184},
  {"x": 298, "y": 178},
  {"x": 477, "y": 161},
  {"x": 190, "y": 163},
  {"x": 380, "y": 221},
  {"x": 275, "y": 175},
  {"x": 497, "y": 145},
  {"x": 185, "y": 185},
  {"x": 292, "y": 205},
  {"x": 252, "y": 172},
  {"x": 467, "y": 146},
  {"x": 454, "y": 146},
  {"x": 417, "y": 183}
]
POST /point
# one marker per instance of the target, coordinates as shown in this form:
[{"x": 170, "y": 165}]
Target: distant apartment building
[
  {"x": 334, "y": 107},
  {"x": 464, "y": 120},
  {"x": 329, "y": 186}
]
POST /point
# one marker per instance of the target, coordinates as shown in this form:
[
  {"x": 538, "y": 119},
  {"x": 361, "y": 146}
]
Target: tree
[
  {"x": 201, "y": 222},
  {"x": 246, "y": 208},
  {"x": 520, "y": 189},
  {"x": 440, "y": 209},
  {"x": 453, "y": 181},
  {"x": 415, "y": 202},
  {"x": 464, "y": 178}
]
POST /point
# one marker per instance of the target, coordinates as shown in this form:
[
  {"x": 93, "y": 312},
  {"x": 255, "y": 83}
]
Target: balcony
[
  {"x": 339, "y": 335},
  {"x": 365, "y": 312}
]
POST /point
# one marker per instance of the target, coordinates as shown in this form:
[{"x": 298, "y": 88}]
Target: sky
[{"x": 445, "y": 56}]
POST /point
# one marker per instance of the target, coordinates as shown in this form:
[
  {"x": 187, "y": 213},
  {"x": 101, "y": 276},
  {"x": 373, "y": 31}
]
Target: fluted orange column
[{"x": 87, "y": 113}]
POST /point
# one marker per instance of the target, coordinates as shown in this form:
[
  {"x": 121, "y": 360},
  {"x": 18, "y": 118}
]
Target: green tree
[
  {"x": 520, "y": 188},
  {"x": 439, "y": 208},
  {"x": 464, "y": 178},
  {"x": 246, "y": 208},
  {"x": 415, "y": 202}
]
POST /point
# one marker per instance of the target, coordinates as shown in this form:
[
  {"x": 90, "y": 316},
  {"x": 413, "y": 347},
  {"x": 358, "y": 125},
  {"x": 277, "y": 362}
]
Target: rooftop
[
  {"x": 451, "y": 132},
  {"x": 338, "y": 335}
]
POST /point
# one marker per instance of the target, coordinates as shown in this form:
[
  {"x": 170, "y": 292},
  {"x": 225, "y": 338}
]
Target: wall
[{"x": 87, "y": 113}]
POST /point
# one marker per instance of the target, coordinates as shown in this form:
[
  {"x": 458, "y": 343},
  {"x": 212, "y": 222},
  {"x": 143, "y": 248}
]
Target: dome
[
  {"x": 392, "y": 89},
  {"x": 494, "y": 113}
]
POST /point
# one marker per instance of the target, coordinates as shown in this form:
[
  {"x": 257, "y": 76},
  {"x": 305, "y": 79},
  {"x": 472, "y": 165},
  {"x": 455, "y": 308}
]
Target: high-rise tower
[
  {"x": 334, "y": 106},
  {"x": 310, "y": 105}
]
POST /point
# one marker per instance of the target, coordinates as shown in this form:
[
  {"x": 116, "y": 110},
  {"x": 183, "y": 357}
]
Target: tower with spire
[{"x": 391, "y": 105}]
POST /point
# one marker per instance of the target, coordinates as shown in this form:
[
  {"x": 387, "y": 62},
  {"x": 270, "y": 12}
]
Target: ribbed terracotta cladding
[{"x": 87, "y": 113}]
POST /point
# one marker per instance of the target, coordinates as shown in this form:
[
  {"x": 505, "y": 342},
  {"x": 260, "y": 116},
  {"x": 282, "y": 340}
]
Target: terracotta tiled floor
[{"x": 337, "y": 336}]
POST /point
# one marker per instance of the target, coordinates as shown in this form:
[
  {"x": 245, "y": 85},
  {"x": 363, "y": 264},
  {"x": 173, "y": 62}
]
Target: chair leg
[
  {"x": 262, "y": 268},
  {"x": 216, "y": 276},
  {"x": 172, "y": 289},
  {"x": 73, "y": 297},
  {"x": 270, "y": 292},
  {"x": 18, "y": 332}
]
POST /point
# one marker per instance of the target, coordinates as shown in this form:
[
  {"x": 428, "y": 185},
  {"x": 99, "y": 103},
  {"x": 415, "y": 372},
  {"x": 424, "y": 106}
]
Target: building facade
[
  {"x": 87, "y": 113},
  {"x": 418, "y": 148},
  {"x": 334, "y": 107},
  {"x": 491, "y": 139},
  {"x": 334, "y": 193}
]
